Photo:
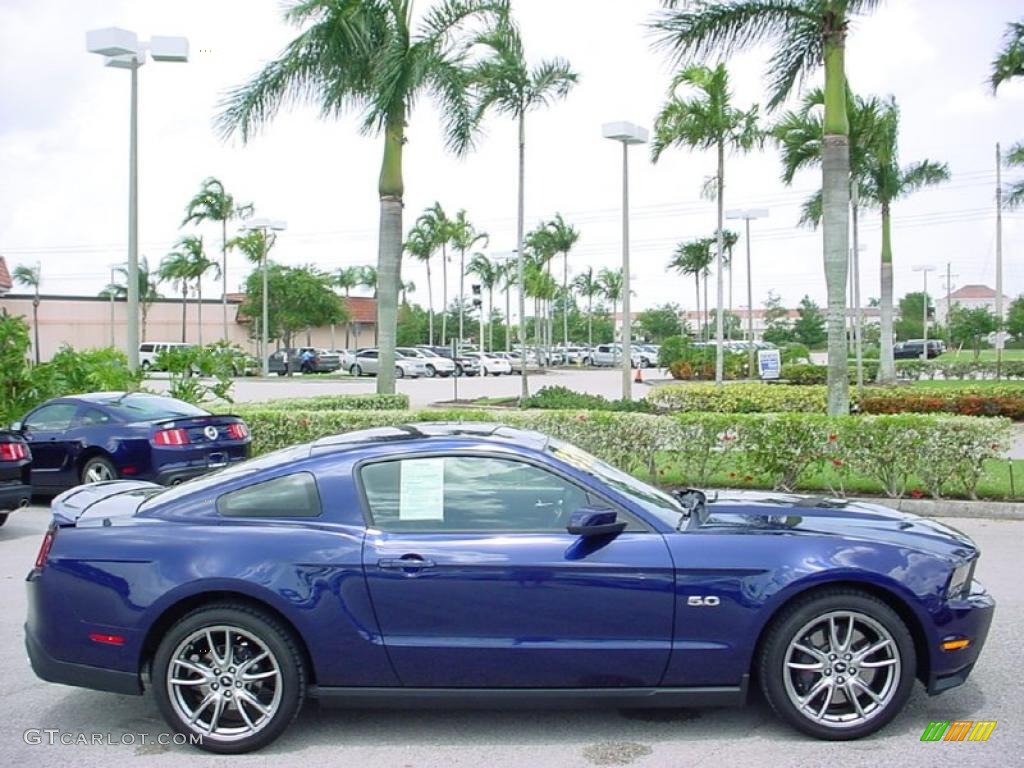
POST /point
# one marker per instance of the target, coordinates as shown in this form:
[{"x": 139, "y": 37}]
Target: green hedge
[
  {"x": 562, "y": 398},
  {"x": 337, "y": 403},
  {"x": 939, "y": 451},
  {"x": 963, "y": 400}
]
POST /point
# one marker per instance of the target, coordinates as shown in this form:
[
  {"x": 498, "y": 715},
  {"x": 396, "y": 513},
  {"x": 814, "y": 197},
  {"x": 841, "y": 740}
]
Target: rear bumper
[
  {"x": 14, "y": 495},
  {"x": 53, "y": 670},
  {"x": 178, "y": 472},
  {"x": 968, "y": 618}
]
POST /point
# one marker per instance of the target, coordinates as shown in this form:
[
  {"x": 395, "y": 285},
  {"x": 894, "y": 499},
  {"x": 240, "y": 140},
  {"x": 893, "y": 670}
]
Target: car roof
[{"x": 491, "y": 432}]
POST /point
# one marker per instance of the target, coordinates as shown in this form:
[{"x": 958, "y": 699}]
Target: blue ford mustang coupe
[
  {"x": 482, "y": 565},
  {"x": 105, "y": 435}
]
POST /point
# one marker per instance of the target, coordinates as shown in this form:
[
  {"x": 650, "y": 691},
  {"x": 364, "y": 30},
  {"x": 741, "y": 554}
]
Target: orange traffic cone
[{"x": 639, "y": 377}]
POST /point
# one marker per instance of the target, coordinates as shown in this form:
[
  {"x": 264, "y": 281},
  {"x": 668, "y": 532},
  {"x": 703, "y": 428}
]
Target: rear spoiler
[
  {"x": 70, "y": 506},
  {"x": 173, "y": 419}
]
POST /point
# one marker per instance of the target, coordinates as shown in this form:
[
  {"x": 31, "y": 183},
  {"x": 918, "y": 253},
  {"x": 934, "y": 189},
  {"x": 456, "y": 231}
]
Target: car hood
[{"x": 781, "y": 514}]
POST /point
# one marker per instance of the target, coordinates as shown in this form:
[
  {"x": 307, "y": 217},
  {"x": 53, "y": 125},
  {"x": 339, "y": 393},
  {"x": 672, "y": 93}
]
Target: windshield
[
  {"x": 140, "y": 407},
  {"x": 657, "y": 503}
]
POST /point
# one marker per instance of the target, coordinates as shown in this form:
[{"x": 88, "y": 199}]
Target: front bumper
[
  {"x": 53, "y": 670},
  {"x": 969, "y": 618},
  {"x": 14, "y": 495}
]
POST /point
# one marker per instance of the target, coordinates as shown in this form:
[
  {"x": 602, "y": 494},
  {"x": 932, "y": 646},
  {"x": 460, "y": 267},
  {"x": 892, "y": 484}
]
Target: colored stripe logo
[{"x": 958, "y": 730}]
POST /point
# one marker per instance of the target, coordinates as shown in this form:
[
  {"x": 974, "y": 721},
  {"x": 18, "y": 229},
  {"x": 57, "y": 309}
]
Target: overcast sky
[{"x": 64, "y": 148}]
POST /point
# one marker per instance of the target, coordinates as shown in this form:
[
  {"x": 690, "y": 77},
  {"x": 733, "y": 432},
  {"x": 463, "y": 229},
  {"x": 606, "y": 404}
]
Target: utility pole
[
  {"x": 999, "y": 262},
  {"x": 949, "y": 300}
]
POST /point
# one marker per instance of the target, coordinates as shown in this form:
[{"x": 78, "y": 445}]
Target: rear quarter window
[{"x": 293, "y": 495}]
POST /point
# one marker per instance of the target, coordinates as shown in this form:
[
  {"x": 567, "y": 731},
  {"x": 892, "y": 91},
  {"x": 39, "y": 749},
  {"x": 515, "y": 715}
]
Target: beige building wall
[{"x": 85, "y": 322}]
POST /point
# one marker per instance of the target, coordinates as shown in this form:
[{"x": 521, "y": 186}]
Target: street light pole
[
  {"x": 748, "y": 214},
  {"x": 924, "y": 269},
  {"x": 626, "y": 133},
  {"x": 263, "y": 226},
  {"x": 123, "y": 50}
]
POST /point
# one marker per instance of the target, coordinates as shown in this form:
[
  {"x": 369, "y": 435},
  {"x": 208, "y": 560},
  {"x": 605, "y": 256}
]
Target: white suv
[{"x": 149, "y": 351}]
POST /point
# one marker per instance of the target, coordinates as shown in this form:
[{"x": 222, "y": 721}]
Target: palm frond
[
  {"x": 1015, "y": 195},
  {"x": 924, "y": 173},
  {"x": 794, "y": 60},
  {"x": 549, "y": 81},
  {"x": 811, "y": 211},
  {"x": 1009, "y": 63}
]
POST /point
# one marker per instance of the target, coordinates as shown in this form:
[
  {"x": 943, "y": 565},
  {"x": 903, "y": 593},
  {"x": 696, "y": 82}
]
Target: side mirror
[
  {"x": 16, "y": 426},
  {"x": 595, "y": 522}
]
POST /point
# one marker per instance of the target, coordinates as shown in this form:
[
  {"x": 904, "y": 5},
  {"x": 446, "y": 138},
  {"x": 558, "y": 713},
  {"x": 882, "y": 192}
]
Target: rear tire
[
  {"x": 399, "y": 372},
  {"x": 97, "y": 470},
  {"x": 253, "y": 661},
  {"x": 355, "y": 370},
  {"x": 431, "y": 372},
  {"x": 823, "y": 643}
]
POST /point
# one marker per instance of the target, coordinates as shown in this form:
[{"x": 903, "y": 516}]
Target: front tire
[
  {"x": 230, "y": 674},
  {"x": 431, "y": 372},
  {"x": 97, "y": 470},
  {"x": 838, "y": 664},
  {"x": 399, "y": 372},
  {"x": 355, "y": 370}
]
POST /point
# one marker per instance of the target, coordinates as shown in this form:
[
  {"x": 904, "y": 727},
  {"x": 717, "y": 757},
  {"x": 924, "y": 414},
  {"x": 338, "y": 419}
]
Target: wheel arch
[
  {"x": 890, "y": 597},
  {"x": 91, "y": 452},
  {"x": 175, "y": 611}
]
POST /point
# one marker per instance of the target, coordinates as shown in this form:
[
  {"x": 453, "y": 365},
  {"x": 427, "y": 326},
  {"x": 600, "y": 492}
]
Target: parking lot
[{"x": 738, "y": 737}]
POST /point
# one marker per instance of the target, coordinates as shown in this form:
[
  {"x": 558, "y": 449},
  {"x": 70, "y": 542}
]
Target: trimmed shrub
[
  {"x": 1006, "y": 400},
  {"x": 739, "y": 398},
  {"x": 353, "y": 402},
  {"x": 805, "y": 373},
  {"x": 563, "y": 398}
]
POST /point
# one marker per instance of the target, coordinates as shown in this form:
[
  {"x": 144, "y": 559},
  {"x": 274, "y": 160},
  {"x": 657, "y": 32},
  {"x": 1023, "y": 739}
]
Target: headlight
[{"x": 960, "y": 581}]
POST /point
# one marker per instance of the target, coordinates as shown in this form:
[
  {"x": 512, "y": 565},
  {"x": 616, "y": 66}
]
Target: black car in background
[
  {"x": 912, "y": 349},
  {"x": 15, "y": 483}
]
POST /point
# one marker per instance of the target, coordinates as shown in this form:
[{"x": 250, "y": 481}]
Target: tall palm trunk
[
  {"x": 525, "y": 387},
  {"x": 706, "y": 332},
  {"x": 444, "y": 294},
  {"x": 35, "y": 324},
  {"x": 508, "y": 318},
  {"x": 696, "y": 283},
  {"x": 184, "y": 308},
  {"x": 430, "y": 305},
  {"x": 565, "y": 300},
  {"x": 490, "y": 318},
  {"x": 720, "y": 267},
  {"x": 224, "y": 276},
  {"x": 590, "y": 320},
  {"x": 389, "y": 249},
  {"x": 199, "y": 309},
  {"x": 835, "y": 218},
  {"x": 887, "y": 366},
  {"x": 462, "y": 296},
  {"x": 348, "y": 324}
]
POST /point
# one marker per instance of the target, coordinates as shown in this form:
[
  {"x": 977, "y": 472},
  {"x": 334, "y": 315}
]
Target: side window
[
  {"x": 145, "y": 348},
  {"x": 92, "y": 416},
  {"x": 56, "y": 416},
  {"x": 469, "y": 493},
  {"x": 288, "y": 496}
]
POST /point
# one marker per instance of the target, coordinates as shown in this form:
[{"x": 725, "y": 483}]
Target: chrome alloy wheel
[
  {"x": 841, "y": 669},
  {"x": 224, "y": 682},
  {"x": 98, "y": 472}
]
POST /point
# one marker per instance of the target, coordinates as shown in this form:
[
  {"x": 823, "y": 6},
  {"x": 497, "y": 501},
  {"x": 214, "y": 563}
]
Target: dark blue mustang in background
[
  {"x": 484, "y": 565},
  {"x": 106, "y": 435}
]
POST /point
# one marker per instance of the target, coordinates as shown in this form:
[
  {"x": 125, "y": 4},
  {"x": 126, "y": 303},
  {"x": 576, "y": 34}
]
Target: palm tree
[
  {"x": 214, "y": 203},
  {"x": 149, "y": 288},
  {"x": 707, "y": 121},
  {"x": 489, "y": 275},
  {"x": 505, "y": 82},
  {"x": 540, "y": 245},
  {"x": 588, "y": 286},
  {"x": 729, "y": 241},
  {"x": 366, "y": 55},
  {"x": 199, "y": 264},
  {"x": 176, "y": 267},
  {"x": 420, "y": 246},
  {"x": 31, "y": 277},
  {"x": 254, "y": 244},
  {"x": 563, "y": 237},
  {"x": 1015, "y": 159},
  {"x": 508, "y": 276},
  {"x": 408, "y": 286},
  {"x": 611, "y": 287},
  {"x": 885, "y": 181},
  {"x": 1010, "y": 61},
  {"x": 693, "y": 257},
  {"x": 807, "y": 34},
  {"x": 345, "y": 278},
  {"x": 438, "y": 230},
  {"x": 368, "y": 278},
  {"x": 463, "y": 236}
]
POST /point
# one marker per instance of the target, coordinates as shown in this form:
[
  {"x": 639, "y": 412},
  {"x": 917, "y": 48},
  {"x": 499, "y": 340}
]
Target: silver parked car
[
  {"x": 367, "y": 362},
  {"x": 433, "y": 363}
]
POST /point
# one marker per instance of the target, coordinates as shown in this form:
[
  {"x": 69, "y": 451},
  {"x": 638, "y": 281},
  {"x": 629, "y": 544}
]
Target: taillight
[
  {"x": 12, "y": 452},
  {"x": 44, "y": 548},
  {"x": 238, "y": 431},
  {"x": 171, "y": 437}
]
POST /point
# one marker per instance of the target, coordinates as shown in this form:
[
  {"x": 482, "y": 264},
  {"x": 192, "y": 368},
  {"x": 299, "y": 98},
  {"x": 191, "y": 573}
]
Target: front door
[{"x": 476, "y": 582}]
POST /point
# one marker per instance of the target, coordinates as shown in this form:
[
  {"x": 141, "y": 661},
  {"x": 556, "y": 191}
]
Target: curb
[{"x": 994, "y": 510}]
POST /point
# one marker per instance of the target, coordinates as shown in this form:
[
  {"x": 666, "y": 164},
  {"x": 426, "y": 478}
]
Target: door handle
[{"x": 406, "y": 561}]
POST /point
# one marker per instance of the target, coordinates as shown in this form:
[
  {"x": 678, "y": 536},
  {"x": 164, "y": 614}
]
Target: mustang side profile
[{"x": 444, "y": 564}]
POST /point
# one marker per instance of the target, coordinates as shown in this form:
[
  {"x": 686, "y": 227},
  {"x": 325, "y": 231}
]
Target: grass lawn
[
  {"x": 1003, "y": 481},
  {"x": 988, "y": 355}
]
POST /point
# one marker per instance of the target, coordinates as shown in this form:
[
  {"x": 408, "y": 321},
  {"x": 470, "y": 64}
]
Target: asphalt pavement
[{"x": 750, "y": 736}]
